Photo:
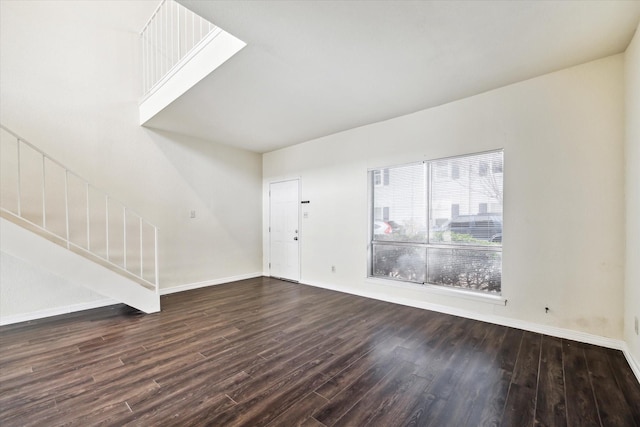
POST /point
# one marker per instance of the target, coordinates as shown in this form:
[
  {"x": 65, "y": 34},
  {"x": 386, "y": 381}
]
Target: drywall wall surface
[
  {"x": 223, "y": 186},
  {"x": 563, "y": 242},
  {"x": 71, "y": 85},
  {"x": 632, "y": 156},
  {"x": 73, "y": 267},
  {"x": 27, "y": 288}
]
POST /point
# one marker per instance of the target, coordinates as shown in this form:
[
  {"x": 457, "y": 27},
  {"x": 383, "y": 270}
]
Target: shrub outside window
[{"x": 439, "y": 228}]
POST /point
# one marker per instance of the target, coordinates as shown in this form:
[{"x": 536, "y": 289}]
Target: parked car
[
  {"x": 382, "y": 227},
  {"x": 480, "y": 226},
  {"x": 395, "y": 227},
  {"x": 387, "y": 227}
]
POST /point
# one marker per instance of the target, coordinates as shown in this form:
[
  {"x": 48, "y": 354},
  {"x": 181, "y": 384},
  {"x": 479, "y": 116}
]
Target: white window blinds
[{"x": 442, "y": 222}]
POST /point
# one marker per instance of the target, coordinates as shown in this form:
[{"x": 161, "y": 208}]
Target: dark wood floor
[{"x": 265, "y": 352}]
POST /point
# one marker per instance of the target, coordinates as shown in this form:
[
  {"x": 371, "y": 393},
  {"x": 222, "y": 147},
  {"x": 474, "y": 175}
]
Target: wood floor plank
[
  {"x": 196, "y": 414},
  {"x": 301, "y": 413},
  {"x": 276, "y": 399},
  {"x": 612, "y": 406},
  {"x": 395, "y": 402},
  {"x": 489, "y": 410},
  {"x": 451, "y": 371},
  {"x": 550, "y": 401},
  {"x": 520, "y": 405},
  {"x": 193, "y": 400},
  {"x": 220, "y": 368},
  {"x": 627, "y": 383},
  {"x": 25, "y": 401},
  {"x": 187, "y": 391},
  {"x": 103, "y": 415},
  {"x": 444, "y": 333},
  {"x": 377, "y": 402},
  {"x": 355, "y": 370},
  {"x": 431, "y": 403},
  {"x": 348, "y": 351},
  {"x": 266, "y": 352},
  {"x": 581, "y": 404},
  {"x": 351, "y": 395},
  {"x": 474, "y": 377},
  {"x": 270, "y": 374},
  {"x": 15, "y": 414}
]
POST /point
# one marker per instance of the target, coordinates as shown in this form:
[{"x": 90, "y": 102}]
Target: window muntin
[{"x": 442, "y": 228}]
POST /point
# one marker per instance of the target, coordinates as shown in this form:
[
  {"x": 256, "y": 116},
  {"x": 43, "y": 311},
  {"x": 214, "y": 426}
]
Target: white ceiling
[{"x": 313, "y": 68}]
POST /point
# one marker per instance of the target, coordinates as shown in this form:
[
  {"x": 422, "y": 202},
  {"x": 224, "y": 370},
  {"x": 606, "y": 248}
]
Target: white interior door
[{"x": 284, "y": 230}]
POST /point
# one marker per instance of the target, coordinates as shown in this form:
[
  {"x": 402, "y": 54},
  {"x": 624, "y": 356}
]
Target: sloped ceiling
[{"x": 313, "y": 68}]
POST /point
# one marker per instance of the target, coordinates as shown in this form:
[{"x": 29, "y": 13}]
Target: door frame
[{"x": 299, "y": 198}]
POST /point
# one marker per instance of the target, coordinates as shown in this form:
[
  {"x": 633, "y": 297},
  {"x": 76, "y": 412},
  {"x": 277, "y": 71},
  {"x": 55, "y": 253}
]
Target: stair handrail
[
  {"x": 168, "y": 38},
  {"x": 19, "y": 216}
]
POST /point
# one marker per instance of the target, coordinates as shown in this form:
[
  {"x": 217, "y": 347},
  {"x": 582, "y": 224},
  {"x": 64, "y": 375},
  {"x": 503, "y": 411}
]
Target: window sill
[{"x": 440, "y": 290}]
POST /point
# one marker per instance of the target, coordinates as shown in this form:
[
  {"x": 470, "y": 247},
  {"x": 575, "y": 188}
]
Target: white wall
[
  {"x": 70, "y": 84},
  {"x": 563, "y": 139},
  {"x": 632, "y": 154},
  {"x": 38, "y": 300}
]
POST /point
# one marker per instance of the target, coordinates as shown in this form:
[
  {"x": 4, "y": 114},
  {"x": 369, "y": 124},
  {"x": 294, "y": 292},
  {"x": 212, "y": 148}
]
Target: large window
[{"x": 430, "y": 226}]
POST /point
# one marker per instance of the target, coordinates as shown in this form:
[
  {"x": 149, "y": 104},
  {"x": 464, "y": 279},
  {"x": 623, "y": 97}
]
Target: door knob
[{"x": 295, "y": 238}]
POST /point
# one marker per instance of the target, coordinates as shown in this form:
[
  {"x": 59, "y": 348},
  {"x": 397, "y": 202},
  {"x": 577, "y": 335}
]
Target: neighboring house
[{"x": 459, "y": 189}]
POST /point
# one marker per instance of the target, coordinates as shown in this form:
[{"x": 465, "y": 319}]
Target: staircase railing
[
  {"x": 43, "y": 195},
  {"x": 170, "y": 37}
]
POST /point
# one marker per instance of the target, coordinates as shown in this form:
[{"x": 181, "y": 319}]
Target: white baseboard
[
  {"x": 633, "y": 362},
  {"x": 205, "y": 283},
  {"x": 56, "y": 311},
  {"x": 503, "y": 321}
]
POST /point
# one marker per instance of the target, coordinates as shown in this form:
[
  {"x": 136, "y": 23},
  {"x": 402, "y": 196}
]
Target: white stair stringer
[
  {"x": 77, "y": 269},
  {"x": 214, "y": 50}
]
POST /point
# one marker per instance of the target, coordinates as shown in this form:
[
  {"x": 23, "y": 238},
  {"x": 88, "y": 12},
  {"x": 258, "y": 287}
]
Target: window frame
[{"x": 427, "y": 244}]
